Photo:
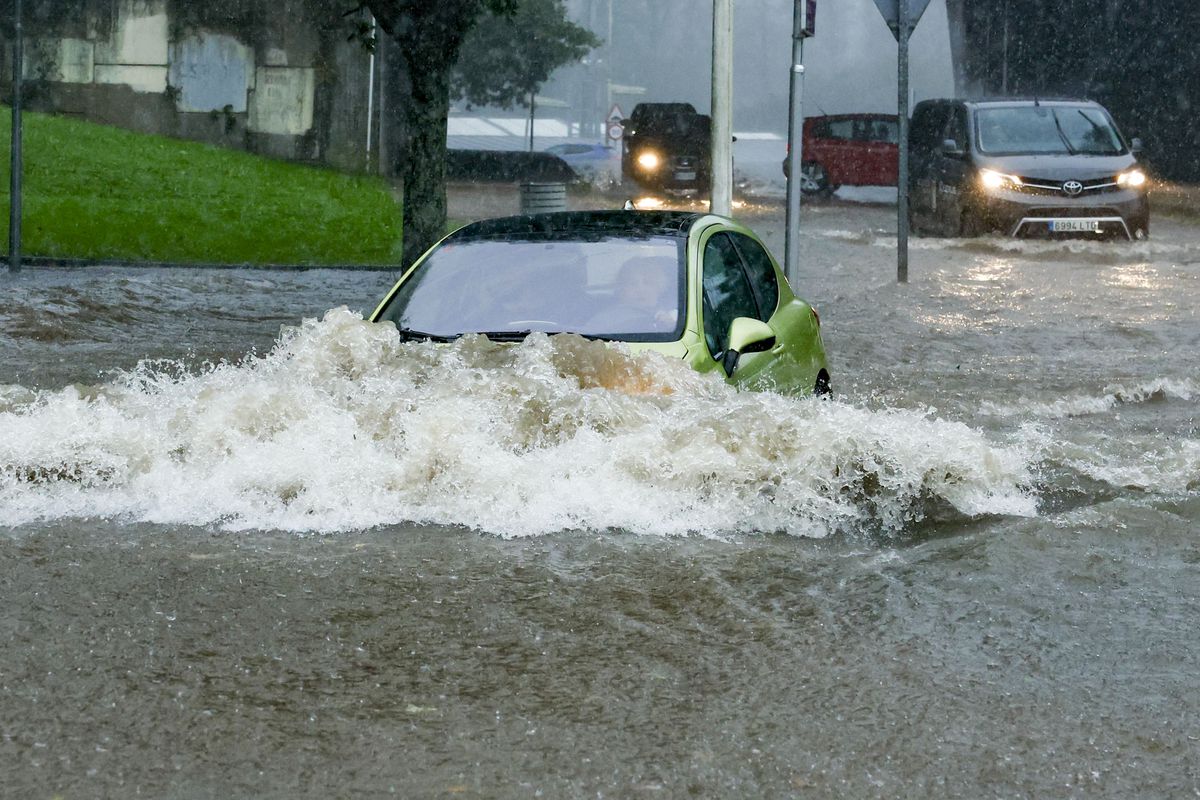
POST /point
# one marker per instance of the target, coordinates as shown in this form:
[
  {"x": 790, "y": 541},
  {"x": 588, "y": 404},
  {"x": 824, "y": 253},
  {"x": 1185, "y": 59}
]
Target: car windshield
[
  {"x": 1033, "y": 130},
  {"x": 623, "y": 288}
]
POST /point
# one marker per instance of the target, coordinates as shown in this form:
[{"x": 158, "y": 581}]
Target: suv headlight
[
  {"x": 1132, "y": 178},
  {"x": 648, "y": 160},
  {"x": 998, "y": 180}
]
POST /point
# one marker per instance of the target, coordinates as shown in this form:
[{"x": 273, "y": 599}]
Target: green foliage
[
  {"x": 96, "y": 192},
  {"x": 506, "y": 57}
]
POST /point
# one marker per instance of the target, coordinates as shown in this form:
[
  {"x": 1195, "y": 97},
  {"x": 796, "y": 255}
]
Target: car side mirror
[
  {"x": 950, "y": 148},
  {"x": 746, "y": 335},
  {"x": 1136, "y": 145}
]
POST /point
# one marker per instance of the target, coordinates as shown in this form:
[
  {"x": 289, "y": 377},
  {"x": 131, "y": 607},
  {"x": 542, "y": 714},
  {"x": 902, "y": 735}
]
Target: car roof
[
  {"x": 880, "y": 115},
  {"x": 583, "y": 224}
]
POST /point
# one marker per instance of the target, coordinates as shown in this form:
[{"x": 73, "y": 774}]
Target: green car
[{"x": 695, "y": 286}]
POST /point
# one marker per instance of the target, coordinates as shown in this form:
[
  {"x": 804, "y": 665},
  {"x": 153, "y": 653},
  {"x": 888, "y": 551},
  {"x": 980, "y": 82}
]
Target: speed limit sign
[{"x": 615, "y": 130}]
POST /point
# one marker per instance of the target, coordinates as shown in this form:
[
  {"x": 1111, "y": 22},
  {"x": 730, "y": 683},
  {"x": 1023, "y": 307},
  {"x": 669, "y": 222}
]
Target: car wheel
[
  {"x": 814, "y": 179},
  {"x": 823, "y": 389}
]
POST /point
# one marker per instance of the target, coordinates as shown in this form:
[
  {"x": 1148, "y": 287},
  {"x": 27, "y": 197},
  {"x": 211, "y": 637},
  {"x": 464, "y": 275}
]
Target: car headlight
[
  {"x": 648, "y": 160},
  {"x": 1132, "y": 178},
  {"x": 998, "y": 180}
]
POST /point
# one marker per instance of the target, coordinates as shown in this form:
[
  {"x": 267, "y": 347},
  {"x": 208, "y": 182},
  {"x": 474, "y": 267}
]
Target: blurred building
[{"x": 276, "y": 78}]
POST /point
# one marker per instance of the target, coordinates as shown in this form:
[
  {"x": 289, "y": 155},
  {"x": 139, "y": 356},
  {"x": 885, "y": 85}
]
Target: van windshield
[{"x": 1032, "y": 130}]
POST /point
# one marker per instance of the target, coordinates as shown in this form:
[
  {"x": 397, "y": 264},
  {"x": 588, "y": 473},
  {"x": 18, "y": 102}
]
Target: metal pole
[
  {"x": 791, "y": 247},
  {"x": 722, "y": 109},
  {"x": 14, "y": 192},
  {"x": 381, "y": 145},
  {"x": 371, "y": 92},
  {"x": 902, "y": 114},
  {"x": 532, "y": 109}
]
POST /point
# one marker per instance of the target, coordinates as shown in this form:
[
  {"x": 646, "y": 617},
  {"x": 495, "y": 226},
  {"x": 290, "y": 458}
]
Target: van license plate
[
  {"x": 685, "y": 176},
  {"x": 1075, "y": 225}
]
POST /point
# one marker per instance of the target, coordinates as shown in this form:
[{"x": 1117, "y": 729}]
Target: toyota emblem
[{"x": 1072, "y": 188}]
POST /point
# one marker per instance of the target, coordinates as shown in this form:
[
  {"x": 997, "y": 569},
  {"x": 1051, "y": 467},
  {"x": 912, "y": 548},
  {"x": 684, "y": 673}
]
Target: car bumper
[{"x": 1124, "y": 213}]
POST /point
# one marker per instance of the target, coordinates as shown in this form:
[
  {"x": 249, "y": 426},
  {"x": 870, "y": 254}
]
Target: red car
[{"x": 849, "y": 150}]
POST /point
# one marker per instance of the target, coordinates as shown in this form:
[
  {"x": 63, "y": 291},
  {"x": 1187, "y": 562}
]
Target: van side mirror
[
  {"x": 746, "y": 335},
  {"x": 1136, "y": 145},
  {"x": 950, "y": 148}
]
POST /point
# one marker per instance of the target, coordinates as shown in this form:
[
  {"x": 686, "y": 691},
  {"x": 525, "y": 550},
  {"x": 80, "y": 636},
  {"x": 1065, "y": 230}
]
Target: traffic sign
[
  {"x": 805, "y": 18},
  {"x": 615, "y": 130},
  {"x": 615, "y": 114},
  {"x": 891, "y": 13}
]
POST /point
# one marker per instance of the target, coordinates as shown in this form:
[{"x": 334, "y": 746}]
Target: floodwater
[{"x": 246, "y": 555}]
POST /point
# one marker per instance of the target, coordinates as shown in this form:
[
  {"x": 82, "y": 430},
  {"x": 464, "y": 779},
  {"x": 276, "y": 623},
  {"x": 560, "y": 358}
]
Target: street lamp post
[
  {"x": 721, "y": 189},
  {"x": 14, "y": 195}
]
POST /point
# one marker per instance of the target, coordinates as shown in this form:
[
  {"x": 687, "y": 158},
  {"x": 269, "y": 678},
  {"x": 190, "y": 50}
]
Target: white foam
[
  {"x": 342, "y": 426},
  {"x": 1083, "y": 405},
  {"x": 1159, "y": 465}
]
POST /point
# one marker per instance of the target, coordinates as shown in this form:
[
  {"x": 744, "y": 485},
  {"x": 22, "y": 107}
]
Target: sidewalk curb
[{"x": 51, "y": 262}]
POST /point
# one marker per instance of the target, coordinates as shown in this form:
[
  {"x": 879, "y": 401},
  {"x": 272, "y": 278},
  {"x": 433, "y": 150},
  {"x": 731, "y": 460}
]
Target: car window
[
  {"x": 840, "y": 129},
  {"x": 761, "y": 270},
  {"x": 875, "y": 130},
  {"x": 619, "y": 288},
  {"x": 883, "y": 130},
  {"x": 727, "y": 293}
]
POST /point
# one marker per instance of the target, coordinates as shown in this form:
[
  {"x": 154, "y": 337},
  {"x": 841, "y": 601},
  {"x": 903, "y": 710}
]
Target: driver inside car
[{"x": 644, "y": 300}]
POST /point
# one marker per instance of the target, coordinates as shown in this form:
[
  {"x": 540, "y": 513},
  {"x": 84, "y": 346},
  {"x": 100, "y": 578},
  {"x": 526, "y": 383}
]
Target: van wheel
[
  {"x": 814, "y": 179},
  {"x": 969, "y": 225},
  {"x": 914, "y": 226}
]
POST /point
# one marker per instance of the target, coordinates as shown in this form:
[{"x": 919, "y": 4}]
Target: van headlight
[
  {"x": 648, "y": 160},
  {"x": 1132, "y": 178},
  {"x": 998, "y": 180}
]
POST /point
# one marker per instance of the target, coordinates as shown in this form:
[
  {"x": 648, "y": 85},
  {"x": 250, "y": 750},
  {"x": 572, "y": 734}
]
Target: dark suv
[
  {"x": 1025, "y": 168},
  {"x": 668, "y": 146}
]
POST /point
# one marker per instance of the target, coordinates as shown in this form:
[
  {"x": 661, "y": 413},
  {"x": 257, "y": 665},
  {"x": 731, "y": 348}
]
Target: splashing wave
[
  {"x": 1111, "y": 398},
  {"x": 342, "y": 426}
]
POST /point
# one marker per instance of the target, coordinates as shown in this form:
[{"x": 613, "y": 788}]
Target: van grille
[{"x": 1046, "y": 186}]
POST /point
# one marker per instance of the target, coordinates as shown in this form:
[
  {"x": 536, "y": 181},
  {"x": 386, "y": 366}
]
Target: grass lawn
[{"x": 97, "y": 192}]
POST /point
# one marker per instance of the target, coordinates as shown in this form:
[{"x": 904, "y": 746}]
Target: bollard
[{"x": 539, "y": 198}]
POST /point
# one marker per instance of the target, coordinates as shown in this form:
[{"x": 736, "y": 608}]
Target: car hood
[
  {"x": 1059, "y": 167},
  {"x": 676, "y": 349}
]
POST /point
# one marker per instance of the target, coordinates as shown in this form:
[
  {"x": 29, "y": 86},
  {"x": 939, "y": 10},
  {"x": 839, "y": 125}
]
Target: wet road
[{"x": 346, "y": 567}]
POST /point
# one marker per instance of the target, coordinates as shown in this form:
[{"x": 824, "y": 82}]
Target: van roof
[{"x": 1014, "y": 101}]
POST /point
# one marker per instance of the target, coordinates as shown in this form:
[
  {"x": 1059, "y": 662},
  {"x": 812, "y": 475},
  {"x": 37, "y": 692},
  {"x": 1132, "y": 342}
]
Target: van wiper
[
  {"x": 409, "y": 335},
  {"x": 1062, "y": 135},
  {"x": 1099, "y": 129}
]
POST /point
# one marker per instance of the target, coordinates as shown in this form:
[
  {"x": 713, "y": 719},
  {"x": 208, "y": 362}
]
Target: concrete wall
[{"x": 275, "y": 78}]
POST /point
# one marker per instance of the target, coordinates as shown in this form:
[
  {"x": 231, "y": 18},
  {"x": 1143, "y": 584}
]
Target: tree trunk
[
  {"x": 427, "y": 35},
  {"x": 424, "y": 167}
]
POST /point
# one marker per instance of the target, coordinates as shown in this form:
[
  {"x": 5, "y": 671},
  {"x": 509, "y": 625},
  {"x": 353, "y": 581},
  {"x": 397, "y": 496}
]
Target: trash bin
[{"x": 540, "y": 197}]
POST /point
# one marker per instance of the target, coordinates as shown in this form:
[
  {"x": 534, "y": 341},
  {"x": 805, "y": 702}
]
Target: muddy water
[{"x": 244, "y": 555}]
